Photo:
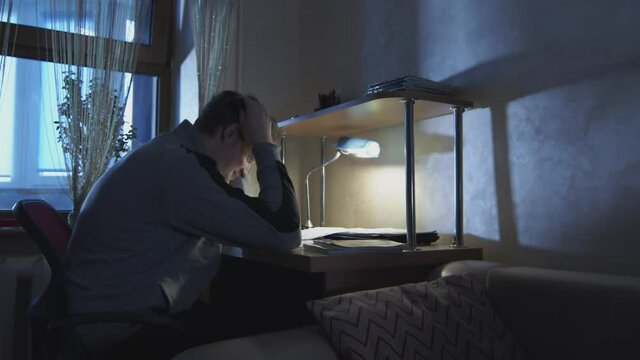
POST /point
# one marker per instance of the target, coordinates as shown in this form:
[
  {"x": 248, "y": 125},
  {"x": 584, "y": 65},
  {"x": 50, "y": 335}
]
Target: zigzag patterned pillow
[{"x": 450, "y": 318}]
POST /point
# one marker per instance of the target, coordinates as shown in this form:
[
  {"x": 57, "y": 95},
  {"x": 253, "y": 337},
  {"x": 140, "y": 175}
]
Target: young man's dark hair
[{"x": 221, "y": 111}]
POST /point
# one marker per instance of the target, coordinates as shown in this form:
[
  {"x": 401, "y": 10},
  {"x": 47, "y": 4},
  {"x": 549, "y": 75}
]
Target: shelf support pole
[
  {"x": 458, "y": 239},
  {"x": 283, "y": 147},
  {"x": 409, "y": 163},
  {"x": 323, "y": 144}
]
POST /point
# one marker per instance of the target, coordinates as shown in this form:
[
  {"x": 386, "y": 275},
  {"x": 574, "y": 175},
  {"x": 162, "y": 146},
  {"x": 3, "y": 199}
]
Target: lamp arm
[{"x": 308, "y": 224}]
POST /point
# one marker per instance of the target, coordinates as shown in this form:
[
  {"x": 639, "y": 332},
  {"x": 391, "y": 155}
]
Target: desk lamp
[{"x": 360, "y": 148}]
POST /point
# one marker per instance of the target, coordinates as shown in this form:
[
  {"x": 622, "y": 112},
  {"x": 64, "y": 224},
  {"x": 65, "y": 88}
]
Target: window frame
[{"x": 31, "y": 42}]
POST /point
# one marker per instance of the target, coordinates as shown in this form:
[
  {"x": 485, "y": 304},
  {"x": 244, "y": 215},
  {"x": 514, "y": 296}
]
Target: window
[
  {"x": 31, "y": 162},
  {"x": 31, "y": 159},
  {"x": 41, "y": 14}
]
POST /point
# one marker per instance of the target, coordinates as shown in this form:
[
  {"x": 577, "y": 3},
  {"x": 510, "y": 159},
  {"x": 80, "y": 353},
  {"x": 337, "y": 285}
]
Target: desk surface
[{"x": 311, "y": 262}]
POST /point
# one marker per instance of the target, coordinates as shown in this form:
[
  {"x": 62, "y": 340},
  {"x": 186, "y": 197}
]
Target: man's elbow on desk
[
  {"x": 289, "y": 241},
  {"x": 280, "y": 242}
]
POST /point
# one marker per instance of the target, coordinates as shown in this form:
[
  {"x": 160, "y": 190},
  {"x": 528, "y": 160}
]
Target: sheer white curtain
[
  {"x": 7, "y": 34},
  {"x": 93, "y": 77},
  {"x": 212, "y": 22}
]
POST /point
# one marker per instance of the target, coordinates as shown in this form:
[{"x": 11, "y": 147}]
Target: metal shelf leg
[
  {"x": 323, "y": 199},
  {"x": 458, "y": 239},
  {"x": 410, "y": 174},
  {"x": 283, "y": 147}
]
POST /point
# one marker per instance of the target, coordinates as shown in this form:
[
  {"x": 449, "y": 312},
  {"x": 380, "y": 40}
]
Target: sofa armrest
[
  {"x": 479, "y": 268},
  {"x": 568, "y": 315},
  {"x": 300, "y": 343}
]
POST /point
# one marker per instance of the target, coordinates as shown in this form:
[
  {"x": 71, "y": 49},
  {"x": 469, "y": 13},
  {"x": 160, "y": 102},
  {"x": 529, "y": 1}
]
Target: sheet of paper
[
  {"x": 318, "y": 232},
  {"x": 362, "y": 243}
]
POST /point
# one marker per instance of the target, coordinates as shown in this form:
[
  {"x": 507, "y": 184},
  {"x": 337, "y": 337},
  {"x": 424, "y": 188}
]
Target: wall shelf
[
  {"x": 381, "y": 110},
  {"x": 368, "y": 113}
]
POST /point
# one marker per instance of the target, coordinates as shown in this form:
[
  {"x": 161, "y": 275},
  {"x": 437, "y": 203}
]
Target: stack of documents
[
  {"x": 340, "y": 233},
  {"x": 336, "y": 247},
  {"x": 321, "y": 232},
  {"x": 411, "y": 83}
]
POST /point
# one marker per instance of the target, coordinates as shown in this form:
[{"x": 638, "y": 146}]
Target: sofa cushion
[
  {"x": 306, "y": 343},
  {"x": 450, "y": 318}
]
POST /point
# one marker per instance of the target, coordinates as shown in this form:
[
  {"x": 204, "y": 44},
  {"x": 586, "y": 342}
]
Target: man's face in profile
[{"x": 242, "y": 162}]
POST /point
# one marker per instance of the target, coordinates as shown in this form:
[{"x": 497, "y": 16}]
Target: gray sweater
[{"x": 149, "y": 233}]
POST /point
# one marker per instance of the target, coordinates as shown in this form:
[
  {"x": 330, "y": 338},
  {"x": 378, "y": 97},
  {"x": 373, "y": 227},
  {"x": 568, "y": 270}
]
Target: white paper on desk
[
  {"x": 319, "y": 232},
  {"x": 359, "y": 243}
]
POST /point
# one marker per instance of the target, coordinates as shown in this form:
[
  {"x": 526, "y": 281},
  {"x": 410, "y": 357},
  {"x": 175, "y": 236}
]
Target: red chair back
[
  {"x": 46, "y": 227},
  {"x": 51, "y": 233}
]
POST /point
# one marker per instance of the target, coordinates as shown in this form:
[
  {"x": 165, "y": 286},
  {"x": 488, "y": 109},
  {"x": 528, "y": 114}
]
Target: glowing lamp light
[{"x": 360, "y": 148}]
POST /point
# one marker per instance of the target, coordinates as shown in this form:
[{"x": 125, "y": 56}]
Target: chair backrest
[
  {"x": 52, "y": 235},
  {"x": 47, "y": 228}
]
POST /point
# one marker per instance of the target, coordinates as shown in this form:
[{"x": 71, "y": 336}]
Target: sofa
[{"x": 552, "y": 314}]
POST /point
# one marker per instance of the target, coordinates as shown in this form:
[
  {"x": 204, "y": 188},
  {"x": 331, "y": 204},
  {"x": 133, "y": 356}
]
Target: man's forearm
[{"x": 268, "y": 174}]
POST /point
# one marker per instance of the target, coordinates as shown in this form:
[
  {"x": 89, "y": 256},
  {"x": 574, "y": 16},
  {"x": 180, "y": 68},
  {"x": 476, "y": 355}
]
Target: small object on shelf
[
  {"x": 327, "y": 100},
  {"x": 411, "y": 83},
  {"x": 337, "y": 247}
]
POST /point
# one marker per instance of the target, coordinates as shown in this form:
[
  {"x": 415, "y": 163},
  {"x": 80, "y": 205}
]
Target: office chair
[{"x": 52, "y": 327}]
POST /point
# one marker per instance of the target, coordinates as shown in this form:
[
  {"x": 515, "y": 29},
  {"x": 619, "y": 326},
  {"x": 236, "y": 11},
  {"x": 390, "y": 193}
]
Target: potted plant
[{"x": 90, "y": 130}]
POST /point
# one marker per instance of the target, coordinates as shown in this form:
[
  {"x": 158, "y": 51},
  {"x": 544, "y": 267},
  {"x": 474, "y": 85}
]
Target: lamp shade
[{"x": 361, "y": 148}]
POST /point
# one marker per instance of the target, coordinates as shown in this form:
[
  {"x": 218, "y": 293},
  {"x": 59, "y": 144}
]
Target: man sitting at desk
[{"x": 147, "y": 235}]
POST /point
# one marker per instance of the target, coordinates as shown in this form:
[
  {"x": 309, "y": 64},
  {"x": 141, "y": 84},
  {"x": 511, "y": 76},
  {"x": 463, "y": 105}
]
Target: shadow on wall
[{"x": 494, "y": 85}]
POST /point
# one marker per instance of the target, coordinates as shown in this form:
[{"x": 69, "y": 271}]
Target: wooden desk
[
  {"x": 264, "y": 290},
  {"x": 334, "y": 268}
]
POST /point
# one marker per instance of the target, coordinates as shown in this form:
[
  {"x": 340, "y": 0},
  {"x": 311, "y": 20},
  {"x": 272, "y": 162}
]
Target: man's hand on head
[{"x": 255, "y": 124}]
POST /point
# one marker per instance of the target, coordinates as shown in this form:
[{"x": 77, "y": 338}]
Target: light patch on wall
[
  {"x": 441, "y": 125},
  {"x": 480, "y": 196},
  {"x": 435, "y": 175},
  {"x": 383, "y": 186},
  {"x": 580, "y": 138},
  {"x": 434, "y": 192},
  {"x": 188, "y": 88},
  {"x": 365, "y": 195}
]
